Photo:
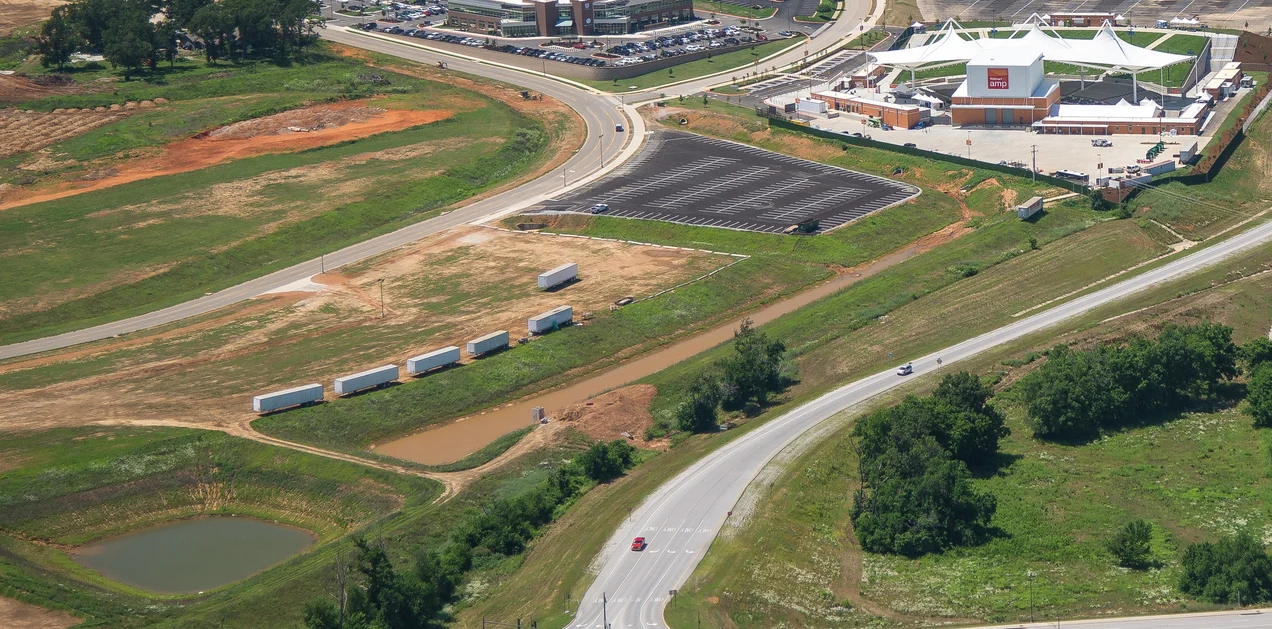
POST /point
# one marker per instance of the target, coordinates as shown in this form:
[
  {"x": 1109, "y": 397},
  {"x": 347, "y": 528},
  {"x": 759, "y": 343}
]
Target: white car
[{"x": 905, "y": 370}]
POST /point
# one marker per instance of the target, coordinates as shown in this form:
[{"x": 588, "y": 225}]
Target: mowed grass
[
  {"x": 160, "y": 241},
  {"x": 67, "y": 487},
  {"x": 742, "y": 59}
]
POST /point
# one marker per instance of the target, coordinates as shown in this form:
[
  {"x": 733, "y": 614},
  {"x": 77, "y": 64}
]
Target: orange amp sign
[{"x": 997, "y": 78}]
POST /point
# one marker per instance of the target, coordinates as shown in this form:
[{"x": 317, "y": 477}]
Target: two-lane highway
[{"x": 682, "y": 517}]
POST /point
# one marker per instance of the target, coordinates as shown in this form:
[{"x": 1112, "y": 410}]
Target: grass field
[
  {"x": 64, "y": 488},
  {"x": 1194, "y": 476},
  {"x": 741, "y": 60},
  {"x": 163, "y": 240}
]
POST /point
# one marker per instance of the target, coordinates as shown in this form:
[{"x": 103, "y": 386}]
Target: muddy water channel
[
  {"x": 454, "y": 441},
  {"x": 194, "y": 555}
]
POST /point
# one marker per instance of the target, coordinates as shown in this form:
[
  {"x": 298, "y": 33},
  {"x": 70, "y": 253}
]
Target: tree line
[
  {"x": 367, "y": 591},
  {"x": 747, "y": 377},
  {"x": 1078, "y": 393},
  {"x": 135, "y": 34},
  {"x": 914, "y": 461}
]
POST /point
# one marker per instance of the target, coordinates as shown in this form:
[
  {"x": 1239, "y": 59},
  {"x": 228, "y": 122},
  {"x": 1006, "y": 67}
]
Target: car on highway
[
  {"x": 639, "y": 544},
  {"x": 618, "y": 128},
  {"x": 905, "y": 370}
]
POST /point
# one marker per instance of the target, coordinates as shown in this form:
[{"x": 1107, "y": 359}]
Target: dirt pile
[
  {"x": 303, "y": 120},
  {"x": 620, "y": 414}
]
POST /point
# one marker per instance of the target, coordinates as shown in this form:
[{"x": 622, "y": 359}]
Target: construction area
[
  {"x": 696, "y": 180},
  {"x": 441, "y": 291}
]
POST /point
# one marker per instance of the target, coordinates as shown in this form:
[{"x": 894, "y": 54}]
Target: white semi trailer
[
  {"x": 296, "y": 396},
  {"x": 488, "y": 343},
  {"x": 550, "y": 320},
  {"x": 367, "y": 379},
  {"x": 437, "y": 358},
  {"x": 558, "y": 276}
]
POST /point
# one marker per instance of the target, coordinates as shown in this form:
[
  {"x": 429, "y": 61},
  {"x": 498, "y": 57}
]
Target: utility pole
[
  {"x": 602, "y": 137},
  {"x": 381, "y": 298},
  {"x": 1034, "y": 171},
  {"x": 604, "y": 611},
  {"x": 1031, "y": 601}
]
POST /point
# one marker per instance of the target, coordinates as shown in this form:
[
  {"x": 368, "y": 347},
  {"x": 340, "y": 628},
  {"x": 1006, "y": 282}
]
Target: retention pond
[{"x": 194, "y": 555}]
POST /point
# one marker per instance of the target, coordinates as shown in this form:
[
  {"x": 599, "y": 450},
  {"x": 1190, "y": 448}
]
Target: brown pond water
[{"x": 458, "y": 439}]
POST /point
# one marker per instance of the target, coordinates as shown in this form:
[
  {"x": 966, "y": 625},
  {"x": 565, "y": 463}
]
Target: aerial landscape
[{"x": 617, "y": 314}]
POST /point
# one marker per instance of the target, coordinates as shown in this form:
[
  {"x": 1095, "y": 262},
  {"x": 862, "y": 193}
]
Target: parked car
[
  {"x": 910, "y": 145},
  {"x": 599, "y": 208},
  {"x": 1101, "y": 142}
]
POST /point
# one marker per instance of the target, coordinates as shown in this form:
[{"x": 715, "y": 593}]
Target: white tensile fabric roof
[{"x": 1105, "y": 50}]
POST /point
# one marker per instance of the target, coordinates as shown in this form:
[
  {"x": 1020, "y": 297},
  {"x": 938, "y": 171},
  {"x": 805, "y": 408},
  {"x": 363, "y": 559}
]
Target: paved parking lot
[{"x": 689, "y": 179}]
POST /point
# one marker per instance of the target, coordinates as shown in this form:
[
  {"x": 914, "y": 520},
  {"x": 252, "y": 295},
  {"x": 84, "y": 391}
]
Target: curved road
[{"x": 681, "y": 518}]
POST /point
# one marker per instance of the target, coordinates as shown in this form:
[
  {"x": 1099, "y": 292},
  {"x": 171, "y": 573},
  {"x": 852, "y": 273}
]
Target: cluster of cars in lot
[
  {"x": 551, "y": 55},
  {"x": 579, "y": 53},
  {"x": 396, "y": 12},
  {"x": 685, "y": 43}
]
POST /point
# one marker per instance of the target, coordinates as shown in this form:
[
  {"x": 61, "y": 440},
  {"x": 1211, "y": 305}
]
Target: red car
[{"x": 638, "y": 544}]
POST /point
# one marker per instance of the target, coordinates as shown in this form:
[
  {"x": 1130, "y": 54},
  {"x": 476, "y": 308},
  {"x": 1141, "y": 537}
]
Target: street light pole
[
  {"x": 1031, "y": 600},
  {"x": 381, "y": 298}
]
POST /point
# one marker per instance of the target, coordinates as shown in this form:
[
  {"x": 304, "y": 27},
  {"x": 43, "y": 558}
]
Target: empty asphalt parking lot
[{"x": 689, "y": 179}]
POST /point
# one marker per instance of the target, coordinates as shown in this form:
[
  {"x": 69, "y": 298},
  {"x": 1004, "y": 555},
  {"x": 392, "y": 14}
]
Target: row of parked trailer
[{"x": 541, "y": 323}]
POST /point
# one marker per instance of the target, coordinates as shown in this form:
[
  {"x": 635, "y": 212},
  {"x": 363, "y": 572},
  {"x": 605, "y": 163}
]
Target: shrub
[
  {"x": 1236, "y": 566},
  {"x": 1131, "y": 544}
]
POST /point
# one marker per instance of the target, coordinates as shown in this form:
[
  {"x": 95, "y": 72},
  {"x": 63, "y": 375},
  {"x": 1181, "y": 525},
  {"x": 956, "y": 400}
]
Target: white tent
[{"x": 1105, "y": 51}]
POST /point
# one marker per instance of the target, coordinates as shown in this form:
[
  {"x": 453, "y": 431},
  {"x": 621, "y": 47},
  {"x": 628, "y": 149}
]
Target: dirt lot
[
  {"x": 19, "y": 89},
  {"x": 18, "y": 615},
  {"x": 305, "y": 128},
  {"x": 19, "y": 13},
  {"x": 620, "y": 414},
  {"x": 441, "y": 291}
]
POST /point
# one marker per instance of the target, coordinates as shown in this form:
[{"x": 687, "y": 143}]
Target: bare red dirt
[
  {"x": 620, "y": 414},
  {"x": 262, "y": 136}
]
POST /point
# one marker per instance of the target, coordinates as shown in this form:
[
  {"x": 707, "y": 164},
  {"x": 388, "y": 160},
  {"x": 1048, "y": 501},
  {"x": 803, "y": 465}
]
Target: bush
[
  {"x": 916, "y": 495},
  {"x": 698, "y": 412},
  {"x": 604, "y": 462},
  {"x": 1076, "y": 394},
  {"x": 1235, "y": 567},
  {"x": 1259, "y": 396},
  {"x": 754, "y": 369},
  {"x": 1131, "y": 544}
]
